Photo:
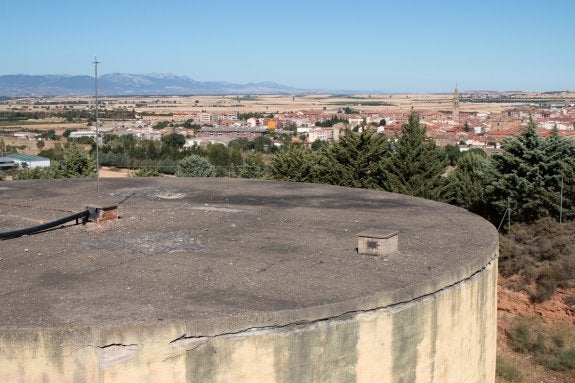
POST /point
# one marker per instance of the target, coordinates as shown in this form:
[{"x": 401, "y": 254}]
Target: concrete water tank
[{"x": 228, "y": 280}]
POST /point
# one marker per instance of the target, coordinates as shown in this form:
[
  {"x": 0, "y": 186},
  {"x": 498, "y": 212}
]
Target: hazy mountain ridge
[{"x": 122, "y": 84}]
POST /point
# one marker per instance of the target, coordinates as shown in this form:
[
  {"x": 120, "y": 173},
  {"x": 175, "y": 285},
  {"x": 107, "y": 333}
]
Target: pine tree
[
  {"x": 560, "y": 158},
  {"x": 295, "y": 164},
  {"x": 75, "y": 163},
  {"x": 357, "y": 160},
  {"x": 416, "y": 165},
  {"x": 528, "y": 174},
  {"x": 253, "y": 166},
  {"x": 466, "y": 184}
]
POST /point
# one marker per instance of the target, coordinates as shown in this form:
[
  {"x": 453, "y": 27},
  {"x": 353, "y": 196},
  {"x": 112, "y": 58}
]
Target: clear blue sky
[{"x": 394, "y": 46}]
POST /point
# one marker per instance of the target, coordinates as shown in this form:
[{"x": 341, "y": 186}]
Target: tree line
[{"x": 531, "y": 178}]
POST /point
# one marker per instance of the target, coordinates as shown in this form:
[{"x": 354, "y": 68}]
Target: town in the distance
[{"x": 32, "y": 125}]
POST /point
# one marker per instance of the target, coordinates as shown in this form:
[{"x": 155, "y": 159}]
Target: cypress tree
[
  {"x": 76, "y": 163},
  {"x": 295, "y": 164},
  {"x": 528, "y": 173},
  {"x": 416, "y": 165},
  {"x": 466, "y": 184},
  {"x": 356, "y": 160},
  {"x": 560, "y": 159},
  {"x": 253, "y": 166}
]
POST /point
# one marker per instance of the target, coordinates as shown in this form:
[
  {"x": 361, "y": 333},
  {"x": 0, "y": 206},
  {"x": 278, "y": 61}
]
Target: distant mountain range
[{"x": 119, "y": 84}]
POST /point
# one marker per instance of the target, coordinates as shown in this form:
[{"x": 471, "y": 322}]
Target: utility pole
[{"x": 96, "y": 62}]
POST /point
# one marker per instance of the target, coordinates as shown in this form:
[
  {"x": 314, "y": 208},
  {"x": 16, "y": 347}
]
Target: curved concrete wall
[
  {"x": 274, "y": 291},
  {"x": 445, "y": 336}
]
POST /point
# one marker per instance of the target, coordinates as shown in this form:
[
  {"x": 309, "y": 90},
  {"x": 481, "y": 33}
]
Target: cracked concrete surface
[
  {"x": 260, "y": 248},
  {"x": 193, "y": 261}
]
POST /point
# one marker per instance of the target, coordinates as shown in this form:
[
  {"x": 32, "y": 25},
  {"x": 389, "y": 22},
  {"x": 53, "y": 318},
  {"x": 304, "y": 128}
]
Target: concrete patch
[
  {"x": 152, "y": 244},
  {"x": 116, "y": 353}
]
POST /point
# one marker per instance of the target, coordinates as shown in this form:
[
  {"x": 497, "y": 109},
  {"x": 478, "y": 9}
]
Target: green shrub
[
  {"x": 566, "y": 359},
  {"x": 546, "y": 280},
  {"x": 37, "y": 173},
  {"x": 508, "y": 371},
  {"x": 253, "y": 166},
  {"x": 146, "y": 172},
  {"x": 167, "y": 166},
  {"x": 195, "y": 166},
  {"x": 525, "y": 336},
  {"x": 551, "y": 346}
]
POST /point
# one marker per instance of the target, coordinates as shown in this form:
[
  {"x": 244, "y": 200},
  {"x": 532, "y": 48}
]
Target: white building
[
  {"x": 82, "y": 133},
  {"x": 29, "y": 161},
  {"x": 550, "y": 125},
  {"x": 26, "y": 135},
  {"x": 252, "y": 122}
]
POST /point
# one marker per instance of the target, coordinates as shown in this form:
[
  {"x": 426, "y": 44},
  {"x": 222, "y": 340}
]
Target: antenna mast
[{"x": 96, "y": 62}]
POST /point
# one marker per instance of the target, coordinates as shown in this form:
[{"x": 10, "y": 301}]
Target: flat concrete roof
[{"x": 223, "y": 253}]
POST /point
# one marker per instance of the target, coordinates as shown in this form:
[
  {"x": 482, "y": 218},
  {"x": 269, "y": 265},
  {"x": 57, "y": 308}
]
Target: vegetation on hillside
[
  {"x": 542, "y": 254},
  {"x": 551, "y": 346}
]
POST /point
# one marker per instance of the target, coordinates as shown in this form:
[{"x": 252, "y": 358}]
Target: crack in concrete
[
  {"x": 190, "y": 342},
  {"x": 116, "y": 345},
  {"x": 345, "y": 316},
  {"x": 118, "y": 352}
]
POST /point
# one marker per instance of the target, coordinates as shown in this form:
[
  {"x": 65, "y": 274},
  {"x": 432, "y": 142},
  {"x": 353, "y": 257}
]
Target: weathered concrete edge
[
  {"x": 103, "y": 336},
  {"x": 373, "y": 303},
  {"x": 183, "y": 336}
]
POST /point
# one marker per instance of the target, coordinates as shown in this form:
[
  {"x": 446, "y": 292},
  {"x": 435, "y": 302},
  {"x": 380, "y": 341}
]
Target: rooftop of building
[
  {"x": 208, "y": 251},
  {"x": 26, "y": 157}
]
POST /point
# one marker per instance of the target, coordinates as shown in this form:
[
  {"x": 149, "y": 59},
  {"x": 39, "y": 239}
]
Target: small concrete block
[{"x": 378, "y": 242}]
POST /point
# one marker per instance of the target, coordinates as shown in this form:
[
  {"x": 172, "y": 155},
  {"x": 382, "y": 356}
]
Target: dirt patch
[
  {"x": 554, "y": 311},
  {"x": 106, "y": 172},
  {"x": 551, "y": 311}
]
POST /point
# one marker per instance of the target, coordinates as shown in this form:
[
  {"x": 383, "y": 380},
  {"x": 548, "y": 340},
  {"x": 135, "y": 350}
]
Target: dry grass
[
  {"x": 106, "y": 172},
  {"x": 287, "y": 103}
]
